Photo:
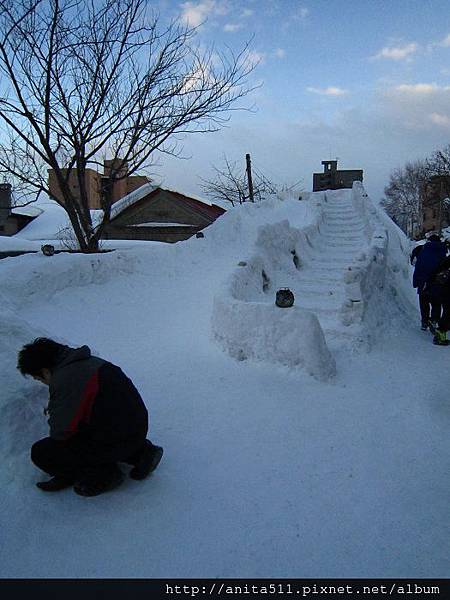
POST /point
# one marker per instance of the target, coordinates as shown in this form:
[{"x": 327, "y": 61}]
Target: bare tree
[
  {"x": 83, "y": 80},
  {"x": 230, "y": 184},
  {"x": 403, "y": 195},
  {"x": 439, "y": 162}
]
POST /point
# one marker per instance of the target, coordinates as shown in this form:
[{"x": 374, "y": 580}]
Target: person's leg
[
  {"x": 424, "y": 304},
  {"x": 444, "y": 321},
  {"x": 99, "y": 479},
  {"x": 53, "y": 457},
  {"x": 436, "y": 309},
  {"x": 75, "y": 461},
  {"x": 144, "y": 460}
]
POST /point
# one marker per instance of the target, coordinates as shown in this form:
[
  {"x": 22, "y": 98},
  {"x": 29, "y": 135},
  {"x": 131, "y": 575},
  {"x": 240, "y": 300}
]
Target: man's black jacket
[{"x": 93, "y": 399}]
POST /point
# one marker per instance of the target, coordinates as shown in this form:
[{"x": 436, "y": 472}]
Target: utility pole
[{"x": 249, "y": 177}]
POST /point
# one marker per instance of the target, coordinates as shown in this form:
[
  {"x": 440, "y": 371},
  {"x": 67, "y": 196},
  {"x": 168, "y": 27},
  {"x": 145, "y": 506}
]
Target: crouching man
[{"x": 96, "y": 417}]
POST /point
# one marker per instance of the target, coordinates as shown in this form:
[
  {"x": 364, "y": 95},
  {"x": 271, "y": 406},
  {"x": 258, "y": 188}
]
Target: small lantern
[
  {"x": 48, "y": 250},
  {"x": 284, "y": 298}
]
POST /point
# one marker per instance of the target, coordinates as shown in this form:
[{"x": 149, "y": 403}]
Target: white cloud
[
  {"x": 255, "y": 58},
  {"x": 304, "y": 12},
  {"x": 439, "y": 119},
  {"x": 232, "y": 27},
  {"x": 329, "y": 91},
  {"x": 247, "y": 12},
  {"x": 398, "y": 52},
  {"x": 279, "y": 53},
  {"x": 445, "y": 42},
  {"x": 420, "y": 88},
  {"x": 417, "y": 107},
  {"x": 195, "y": 13}
]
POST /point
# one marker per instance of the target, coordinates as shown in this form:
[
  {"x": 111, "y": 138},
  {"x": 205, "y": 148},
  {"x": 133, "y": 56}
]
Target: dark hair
[
  {"x": 434, "y": 238},
  {"x": 42, "y": 353}
]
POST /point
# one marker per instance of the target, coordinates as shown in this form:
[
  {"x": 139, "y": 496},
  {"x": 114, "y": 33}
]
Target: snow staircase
[{"x": 320, "y": 285}]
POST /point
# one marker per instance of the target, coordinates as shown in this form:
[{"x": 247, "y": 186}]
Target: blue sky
[{"x": 367, "y": 81}]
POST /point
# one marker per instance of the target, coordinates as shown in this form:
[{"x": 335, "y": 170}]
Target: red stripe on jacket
[{"x": 85, "y": 408}]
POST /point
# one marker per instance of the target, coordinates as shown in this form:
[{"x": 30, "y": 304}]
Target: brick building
[
  {"x": 333, "y": 178},
  {"x": 96, "y": 183},
  {"x": 13, "y": 219}
]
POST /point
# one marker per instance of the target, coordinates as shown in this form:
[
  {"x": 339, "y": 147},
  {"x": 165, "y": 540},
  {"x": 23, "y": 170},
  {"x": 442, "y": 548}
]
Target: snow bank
[
  {"x": 385, "y": 263},
  {"x": 22, "y": 402},
  {"x": 35, "y": 277},
  {"x": 245, "y": 321},
  {"x": 288, "y": 336}
]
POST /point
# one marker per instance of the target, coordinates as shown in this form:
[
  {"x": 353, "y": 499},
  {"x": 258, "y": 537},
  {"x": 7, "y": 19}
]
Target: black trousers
[
  {"x": 444, "y": 323},
  {"x": 426, "y": 301},
  {"x": 79, "y": 458}
]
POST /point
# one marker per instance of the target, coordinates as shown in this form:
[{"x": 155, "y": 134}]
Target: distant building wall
[
  {"x": 333, "y": 178},
  {"x": 96, "y": 183},
  {"x": 92, "y": 182},
  {"x": 5, "y": 202},
  {"x": 136, "y": 181}
]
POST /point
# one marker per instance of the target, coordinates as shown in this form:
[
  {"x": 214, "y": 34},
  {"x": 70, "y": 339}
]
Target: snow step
[
  {"x": 323, "y": 277},
  {"x": 318, "y": 310}
]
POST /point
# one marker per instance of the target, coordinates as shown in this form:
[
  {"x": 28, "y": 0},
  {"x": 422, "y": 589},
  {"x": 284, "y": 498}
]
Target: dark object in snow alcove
[
  {"x": 48, "y": 250},
  {"x": 284, "y": 298}
]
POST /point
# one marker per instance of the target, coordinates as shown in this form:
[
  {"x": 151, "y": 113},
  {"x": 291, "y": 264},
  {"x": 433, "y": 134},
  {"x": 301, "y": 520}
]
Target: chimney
[{"x": 5, "y": 201}]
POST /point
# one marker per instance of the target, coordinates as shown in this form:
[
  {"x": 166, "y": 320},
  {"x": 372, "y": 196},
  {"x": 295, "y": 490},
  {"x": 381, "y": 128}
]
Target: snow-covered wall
[
  {"x": 34, "y": 276},
  {"x": 380, "y": 273},
  {"x": 258, "y": 330}
]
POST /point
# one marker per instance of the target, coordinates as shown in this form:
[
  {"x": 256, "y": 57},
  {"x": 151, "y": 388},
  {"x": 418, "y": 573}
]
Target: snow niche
[
  {"x": 22, "y": 402},
  {"x": 247, "y": 324}
]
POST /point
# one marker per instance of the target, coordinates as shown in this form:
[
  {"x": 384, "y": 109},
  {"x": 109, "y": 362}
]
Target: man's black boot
[
  {"x": 55, "y": 484},
  {"x": 147, "y": 462},
  {"x": 103, "y": 483}
]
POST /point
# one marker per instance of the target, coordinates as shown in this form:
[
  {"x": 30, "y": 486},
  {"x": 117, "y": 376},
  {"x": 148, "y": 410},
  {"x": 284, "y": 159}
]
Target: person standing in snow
[
  {"x": 438, "y": 288},
  {"x": 415, "y": 253},
  {"x": 432, "y": 253},
  {"x": 96, "y": 418}
]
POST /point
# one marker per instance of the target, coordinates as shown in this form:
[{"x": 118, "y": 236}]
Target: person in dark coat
[
  {"x": 433, "y": 252},
  {"x": 438, "y": 288},
  {"x": 96, "y": 418},
  {"x": 415, "y": 253}
]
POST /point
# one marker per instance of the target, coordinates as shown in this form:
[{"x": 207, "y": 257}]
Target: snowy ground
[{"x": 268, "y": 471}]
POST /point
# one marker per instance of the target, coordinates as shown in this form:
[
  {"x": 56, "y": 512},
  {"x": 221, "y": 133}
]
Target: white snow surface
[{"x": 336, "y": 467}]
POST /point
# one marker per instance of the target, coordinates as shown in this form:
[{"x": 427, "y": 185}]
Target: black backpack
[{"x": 443, "y": 277}]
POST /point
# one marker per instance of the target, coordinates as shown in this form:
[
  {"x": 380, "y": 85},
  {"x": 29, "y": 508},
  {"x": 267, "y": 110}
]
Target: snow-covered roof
[
  {"x": 153, "y": 224},
  {"x": 131, "y": 198},
  {"x": 148, "y": 188},
  {"x": 29, "y": 211}
]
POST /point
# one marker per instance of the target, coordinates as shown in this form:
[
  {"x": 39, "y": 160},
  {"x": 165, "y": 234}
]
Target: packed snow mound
[
  {"x": 22, "y": 403},
  {"x": 383, "y": 273},
  {"x": 36, "y": 277},
  {"x": 289, "y": 336},
  {"x": 246, "y": 323}
]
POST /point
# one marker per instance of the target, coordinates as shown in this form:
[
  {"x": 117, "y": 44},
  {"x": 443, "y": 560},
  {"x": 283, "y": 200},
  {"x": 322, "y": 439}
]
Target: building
[
  {"x": 434, "y": 214},
  {"x": 333, "y": 178},
  {"x": 13, "y": 219},
  {"x": 96, "y": 183},
  {"x": 157, "y": 214}
]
